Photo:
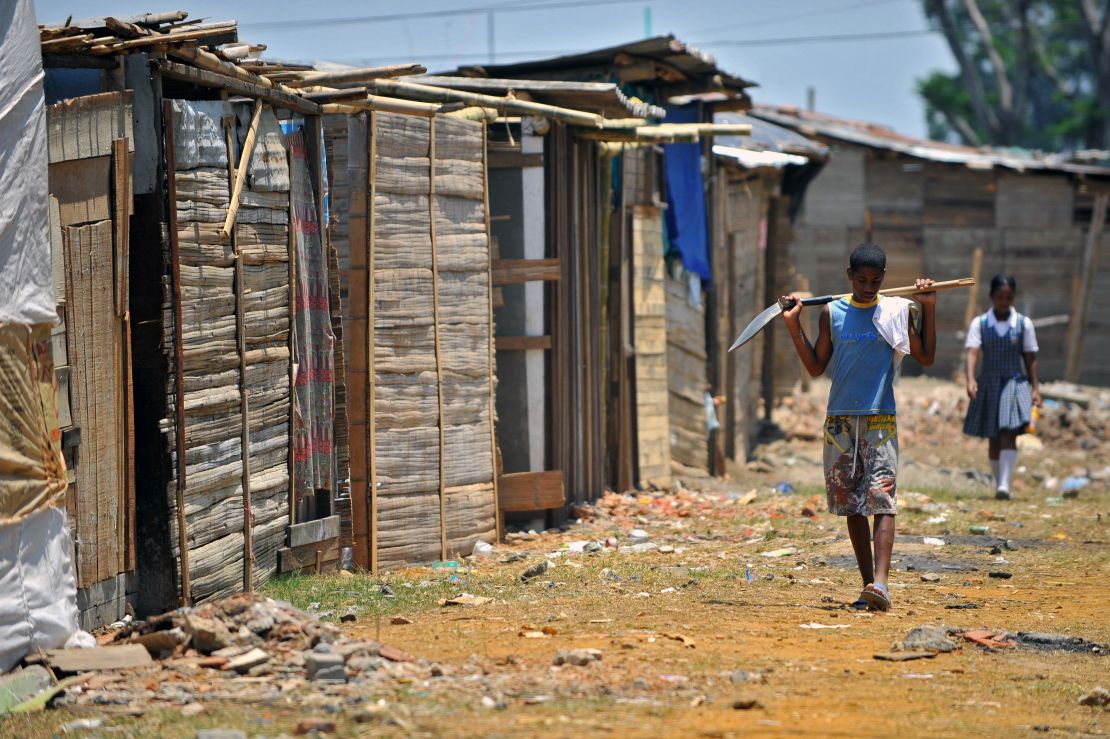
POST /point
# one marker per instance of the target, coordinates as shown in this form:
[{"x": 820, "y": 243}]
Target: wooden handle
[{"x": 911, "y": 289}]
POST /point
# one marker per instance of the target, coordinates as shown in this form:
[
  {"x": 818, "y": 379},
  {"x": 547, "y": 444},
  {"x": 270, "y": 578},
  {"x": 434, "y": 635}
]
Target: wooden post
[
  {"x": 178, "y": 356},
  {"x": 371, "y": 221},
  {"x": 241, "y": 173},
  {"x": 976, "y": 273},
  {"x": 121, "y": 217},
  {"x": 1088, "y": 270},
  {"x": 492, "y": 356},
  {"x": 868, "y": 228},
  {"x": 435, "y": 331},
  {"x": 241, "y": 347}
]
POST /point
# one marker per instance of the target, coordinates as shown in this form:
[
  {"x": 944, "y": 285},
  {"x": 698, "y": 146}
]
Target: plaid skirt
[{"x": 1002, "y": 404}]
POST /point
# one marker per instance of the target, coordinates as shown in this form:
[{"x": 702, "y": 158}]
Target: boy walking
[{"x": 864, "y": 337}]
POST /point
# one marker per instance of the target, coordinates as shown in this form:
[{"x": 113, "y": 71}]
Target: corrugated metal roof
[
  {"x": 872, "y": 135},
  {"x": 605, "y": 98},
  {"x": 768, "y": 137},
  {"x": 687, "y": 60}
]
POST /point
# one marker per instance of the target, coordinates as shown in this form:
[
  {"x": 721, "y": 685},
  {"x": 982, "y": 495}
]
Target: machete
[{"x": 760, "y": 322}]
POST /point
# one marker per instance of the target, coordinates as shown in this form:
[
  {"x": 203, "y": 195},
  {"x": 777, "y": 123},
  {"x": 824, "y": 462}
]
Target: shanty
[{"x": 418, "y": 369}]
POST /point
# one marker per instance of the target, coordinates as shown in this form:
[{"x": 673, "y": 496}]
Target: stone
[
  {"x": 314, "y": 726},
  {"x": 400, "y": 621},
  {"x": 930, "y": 577},
  {"x": 208, "y": 634},
  {"x": 192, "y": 709},
  {"x": 1099, "y": 697},
  {"x": 393, "y": 654},
  {"x": 364, "y": 664},
  {"x": 744, "y": 676},
  {"x": 576, "y": 657},
  {"x": 641, "y": 684},
  {"x": 928, "y": 638},
  {"x": 221, "y": 734},
  {"x": 745, "y": 704},
  {"x": 324, "y": 665},
  {"x": 535, "y": 570},
  {"x": 244, "y": 662}
]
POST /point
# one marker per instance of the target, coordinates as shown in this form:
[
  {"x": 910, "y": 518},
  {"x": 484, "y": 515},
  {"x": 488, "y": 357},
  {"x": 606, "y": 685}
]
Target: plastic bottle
[{"x": 1032, "y": 427}]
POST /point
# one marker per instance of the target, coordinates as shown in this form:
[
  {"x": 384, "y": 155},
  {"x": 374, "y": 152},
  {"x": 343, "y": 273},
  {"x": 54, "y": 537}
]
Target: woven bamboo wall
[
  {"x": 214, "y": 512},
  {"x": 422, "y": 459},
  {"x": 686, "y": 380}
]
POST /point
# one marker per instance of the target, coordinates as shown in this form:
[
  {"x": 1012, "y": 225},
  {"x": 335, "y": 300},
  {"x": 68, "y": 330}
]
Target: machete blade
[{"x": 757, "y": 325}]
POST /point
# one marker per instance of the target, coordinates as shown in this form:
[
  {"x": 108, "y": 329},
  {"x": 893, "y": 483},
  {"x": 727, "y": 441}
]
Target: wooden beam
[
  {"x": 531, "y": 491},
  {"x": 522, "y": 343},
  {"x": 1088, "y": 271},
  {"x": 492, "y": 351},
  {"x": 311, "y": 532},
  {"x": 315, "y": 557},
  {"x": 516, "y": 271},
  {"x": 371, "y": 191},
  {"x": 513, "y": 160},
  {"x": 241, "y": 173},
  {"x": 355, "y": 75},
  {"x": 505, "y": 104},
  {"x": 438, "y": 341},
  {"x": 205, "y": 78},
  {"x": 976, "y": 273}
]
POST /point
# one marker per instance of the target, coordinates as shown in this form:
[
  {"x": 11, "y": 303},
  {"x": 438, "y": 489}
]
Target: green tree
[{"x": 1032, "y": 73}]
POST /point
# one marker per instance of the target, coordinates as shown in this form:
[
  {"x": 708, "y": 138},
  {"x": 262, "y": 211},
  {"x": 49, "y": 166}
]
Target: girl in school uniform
[{"x": 1003, "y": 395}]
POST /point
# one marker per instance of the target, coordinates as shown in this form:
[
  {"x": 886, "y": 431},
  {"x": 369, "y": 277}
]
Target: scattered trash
[
  {"x": 999, "y": 575},
  {"x": 784, "y": 552},
  {"x": 927, "y": 638},
  {"x": 784, "y": 488},
  {"x": 81, "y": 640},
  {"x": 576, "y": 657},
  {"x": 638, "y": 536},
  {"x": 314, "y": 726},
  {"x": 932, "y": 541},
  {"x": 904, "y": 656},
  {"x": 481, "y": 550},
  {"x": 979, "y": 529},
  {"x": 987, "y": 638},
  {"x": 1074, "y": 483},
  {"x": 961, "y": 606},
  {"x": 917, "y": 675},
  {"x": 815, "y": 625},
  {"x": 1058, "y": 642},
  {"x": 466, "y": 599},
  {"x": 535, "y": 570}
]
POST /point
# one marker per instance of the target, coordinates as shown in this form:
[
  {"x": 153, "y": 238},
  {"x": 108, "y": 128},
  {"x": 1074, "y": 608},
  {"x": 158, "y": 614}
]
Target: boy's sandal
[
  {"x": 860, "y": 604},
  {"x": 877, "y": 597}
]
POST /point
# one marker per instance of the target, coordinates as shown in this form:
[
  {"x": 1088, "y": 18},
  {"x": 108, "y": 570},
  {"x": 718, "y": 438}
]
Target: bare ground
[{"x": 676, "y": 623}]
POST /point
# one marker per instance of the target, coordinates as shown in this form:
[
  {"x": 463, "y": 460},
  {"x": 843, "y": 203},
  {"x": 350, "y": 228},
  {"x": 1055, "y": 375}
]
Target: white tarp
[
  {"x": 26, "y": 291},
  {"x": 38, "y": 593}
]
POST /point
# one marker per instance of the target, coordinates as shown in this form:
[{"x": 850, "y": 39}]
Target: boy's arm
[
  {"x": 923, "y": 346},
  {"x": 815, "y": 357}
]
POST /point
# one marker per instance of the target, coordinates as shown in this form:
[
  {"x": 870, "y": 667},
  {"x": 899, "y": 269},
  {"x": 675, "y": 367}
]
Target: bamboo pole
[
  {"x": 241, "y": 171},
  {"x": 356, "y": 75},
  {"x": 438, "y": 343},
  {"x": 492, "y": 348},
  {"x": 372, "y": 149},
  {"x": 278, "y": 97},
  {"x": 430, "y": 93},
  {"x": 1088, "y": 272},
  {"x": 178, "y": 356},
  {"x": 116, "y": 45},
  {"x": 474, "y": 113},
  {"x": 212, "y": 63}
]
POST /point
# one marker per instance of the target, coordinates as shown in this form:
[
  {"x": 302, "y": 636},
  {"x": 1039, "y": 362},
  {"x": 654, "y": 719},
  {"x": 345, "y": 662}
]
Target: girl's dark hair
[{"x": 1003, "y": 280}]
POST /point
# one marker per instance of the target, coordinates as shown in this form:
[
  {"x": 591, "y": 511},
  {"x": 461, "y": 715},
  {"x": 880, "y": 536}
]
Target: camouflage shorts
[{"x": 861, "y": 464}]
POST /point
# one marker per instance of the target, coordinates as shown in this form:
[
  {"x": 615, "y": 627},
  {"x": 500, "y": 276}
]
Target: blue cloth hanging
[{"x": 686, "y": 217}]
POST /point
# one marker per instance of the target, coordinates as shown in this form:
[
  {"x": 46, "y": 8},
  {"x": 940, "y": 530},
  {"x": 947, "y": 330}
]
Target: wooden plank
[
  {"x": 440, "y": 422},
  {"x": 306, "y": 556},
  {"x": 178, "y": 358},
  {"x": 121, "y": 220},
  {"x": 357, "y": 334},
  {"x": 204, "y": 78},
  {"x": 371, "y": 220},
  {"x": 240, "y": 174},
  {"x": 531, "y": 491},
  {"x": 311, "y": 532},
  {"x": 490, "y": 335},
  {"x": 976, "y": 274},
  {"x": 122, "y": 657},
  {"x": 516, "y": 271},
  {"x": 522, "y": 343},
  {"x": 1087, "y": 272},
  {"x": 82, "y": 188},
  {"x": 86, "y": 126},
  {"x": 513, "y": 160}
]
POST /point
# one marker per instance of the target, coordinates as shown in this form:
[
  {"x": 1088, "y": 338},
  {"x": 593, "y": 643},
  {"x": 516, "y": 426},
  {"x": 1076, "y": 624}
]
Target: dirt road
[{"x": 718, "y": 609}]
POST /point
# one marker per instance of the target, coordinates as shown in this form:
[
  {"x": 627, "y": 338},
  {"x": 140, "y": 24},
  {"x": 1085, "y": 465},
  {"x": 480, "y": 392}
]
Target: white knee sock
[
  {"x": 994, "y": 472},
  {"x": 1007, "y": 459}
]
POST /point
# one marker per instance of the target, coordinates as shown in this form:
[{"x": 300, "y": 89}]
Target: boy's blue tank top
[{"x": 862, "y": 367}]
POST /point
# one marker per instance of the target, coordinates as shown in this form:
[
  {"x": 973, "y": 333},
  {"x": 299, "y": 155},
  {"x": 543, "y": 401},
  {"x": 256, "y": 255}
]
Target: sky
[{"x": 771, "y": 42}]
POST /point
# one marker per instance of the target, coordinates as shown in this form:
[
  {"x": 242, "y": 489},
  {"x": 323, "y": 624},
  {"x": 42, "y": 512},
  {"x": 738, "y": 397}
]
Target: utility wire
[
  {"x": 303, "y": 23},
  {"x": 879, "y": 35}
]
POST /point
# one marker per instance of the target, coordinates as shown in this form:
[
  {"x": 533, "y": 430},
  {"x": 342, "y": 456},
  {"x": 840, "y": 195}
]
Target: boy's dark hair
[
  {"x": 1003, "y": 280},
  {"x": 867, "y": 255}
]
